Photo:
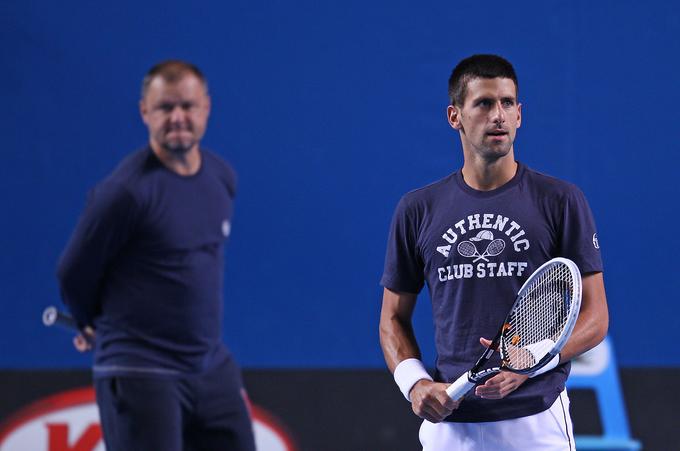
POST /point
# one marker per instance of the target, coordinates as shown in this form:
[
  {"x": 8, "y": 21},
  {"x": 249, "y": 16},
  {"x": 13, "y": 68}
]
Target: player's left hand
[
  {"x": 84, "y": 340},
  {"x": 500, "y": 385}
]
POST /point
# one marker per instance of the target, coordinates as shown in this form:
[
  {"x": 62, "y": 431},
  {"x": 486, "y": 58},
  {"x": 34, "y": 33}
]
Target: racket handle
[
  {"x": 461, "y": 386},
  {"x": 53, "y": 317}
]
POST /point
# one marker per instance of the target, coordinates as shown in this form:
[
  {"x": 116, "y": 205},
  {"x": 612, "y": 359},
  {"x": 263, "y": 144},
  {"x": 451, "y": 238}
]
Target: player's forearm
[
  {"x": 593, "y": 320},
  {"x": 79, "y": 272},
  {"x": 78, "y": 291},
  {"x": 397, "y": 341},
  {"x": 587, "y": 334}
]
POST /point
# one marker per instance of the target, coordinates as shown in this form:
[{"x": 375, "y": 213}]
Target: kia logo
[{"x": 69, "y": 421}]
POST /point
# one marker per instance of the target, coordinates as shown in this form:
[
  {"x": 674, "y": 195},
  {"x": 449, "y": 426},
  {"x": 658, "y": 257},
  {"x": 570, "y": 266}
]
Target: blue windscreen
[{"x": 330, "y": 111}]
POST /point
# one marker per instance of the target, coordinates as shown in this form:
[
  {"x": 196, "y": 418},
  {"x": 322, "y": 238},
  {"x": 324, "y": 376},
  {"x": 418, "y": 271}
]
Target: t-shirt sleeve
[
  {"x": 231, "y": 180},
  {"x": 403, "y": 264},
  {"x": 103, "y": 229},
  {"x": 578, "y": 240},
  {"x": 224, "y": 171}
]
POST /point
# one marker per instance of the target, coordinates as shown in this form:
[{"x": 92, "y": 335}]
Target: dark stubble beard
[{"x": 179, "y": 149}]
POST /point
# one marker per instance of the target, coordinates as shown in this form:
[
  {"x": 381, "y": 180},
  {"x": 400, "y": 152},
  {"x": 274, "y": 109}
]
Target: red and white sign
[{"x": 69, "y": 421}]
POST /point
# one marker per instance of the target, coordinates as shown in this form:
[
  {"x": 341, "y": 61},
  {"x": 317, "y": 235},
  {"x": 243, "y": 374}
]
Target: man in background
[{"x": 143, "y": 271}]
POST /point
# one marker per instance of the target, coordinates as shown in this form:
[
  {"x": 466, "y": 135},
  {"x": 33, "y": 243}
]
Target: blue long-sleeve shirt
[{"x": 145, "y": 265}]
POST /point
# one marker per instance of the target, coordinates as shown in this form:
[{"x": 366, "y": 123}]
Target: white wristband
[
  {"x": 548, "y": 366},
  {"x": 407, "y": 373}
]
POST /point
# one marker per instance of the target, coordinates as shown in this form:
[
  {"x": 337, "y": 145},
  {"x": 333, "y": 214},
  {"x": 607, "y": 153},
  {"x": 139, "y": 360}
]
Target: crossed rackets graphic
[{"x": 468, "y": 249}]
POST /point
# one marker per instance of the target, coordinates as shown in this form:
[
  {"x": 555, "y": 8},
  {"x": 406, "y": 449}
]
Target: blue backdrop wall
[{"x": 330, "y": 111}]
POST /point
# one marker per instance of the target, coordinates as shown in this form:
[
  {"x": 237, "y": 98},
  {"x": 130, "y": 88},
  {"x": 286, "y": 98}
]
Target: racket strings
[{"x": 538, "y": 318}]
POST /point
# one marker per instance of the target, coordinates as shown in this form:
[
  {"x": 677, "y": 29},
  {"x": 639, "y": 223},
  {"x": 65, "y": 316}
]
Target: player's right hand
[
  {"x": 83, "y": 341},
  {"x": 430, "y": 401}
]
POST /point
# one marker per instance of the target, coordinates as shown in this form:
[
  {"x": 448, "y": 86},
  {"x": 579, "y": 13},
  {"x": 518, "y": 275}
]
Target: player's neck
[
  {"x": 485, "y": 175},
  {"x": 184, "y": 164}
]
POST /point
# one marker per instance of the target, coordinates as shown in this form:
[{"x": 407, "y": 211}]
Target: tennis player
[
  {"x": 144, "y": 271},
  {"x": 473, "y": 285}
]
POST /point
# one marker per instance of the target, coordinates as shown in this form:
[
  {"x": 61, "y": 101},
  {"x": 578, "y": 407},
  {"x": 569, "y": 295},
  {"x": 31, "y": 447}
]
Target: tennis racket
[
  {"x": 53, "y": 317},
  {"x": 537, "y": 327}
]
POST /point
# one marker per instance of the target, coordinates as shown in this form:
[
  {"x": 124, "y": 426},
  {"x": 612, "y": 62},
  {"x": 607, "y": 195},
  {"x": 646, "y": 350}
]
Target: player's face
[
  {"x": 176, "y": 114},
  {"x": 489, "y": 118}
]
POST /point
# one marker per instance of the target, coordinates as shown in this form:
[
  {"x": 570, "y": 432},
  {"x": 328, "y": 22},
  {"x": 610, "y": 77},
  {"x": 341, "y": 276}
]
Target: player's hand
[
  {"x": 430, "y": 401},
  {"x": 486, "y": 343},
  {"x": 83, "y": 341},
  {"x": 502, "y": 384}
]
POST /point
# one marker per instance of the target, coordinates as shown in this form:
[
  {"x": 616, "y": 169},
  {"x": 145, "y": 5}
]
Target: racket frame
[{"x": 468, "y": 380}]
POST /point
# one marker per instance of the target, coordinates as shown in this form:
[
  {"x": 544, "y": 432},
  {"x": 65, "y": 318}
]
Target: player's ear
[
  {"x": 143, "y": 110},
  {"x": 453, "y": 115},
  {"x": 519, "y": 114}
]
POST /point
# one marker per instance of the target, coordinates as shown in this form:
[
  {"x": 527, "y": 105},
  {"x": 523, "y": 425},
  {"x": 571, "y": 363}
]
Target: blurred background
[{"x": 330, "y": 111}]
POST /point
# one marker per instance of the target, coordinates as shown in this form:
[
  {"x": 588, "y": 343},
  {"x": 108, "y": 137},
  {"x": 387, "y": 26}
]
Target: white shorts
[{"x": 550, "y": 430}]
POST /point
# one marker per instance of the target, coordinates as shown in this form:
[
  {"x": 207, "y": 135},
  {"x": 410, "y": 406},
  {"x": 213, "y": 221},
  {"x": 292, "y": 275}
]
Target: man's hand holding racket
[
  {"x": 500, "y": 385},
  {"x": 430, "y": 401},
  {"x": 83, "y": 341}
]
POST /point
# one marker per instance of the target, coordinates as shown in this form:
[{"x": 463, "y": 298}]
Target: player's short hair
[
  {"x": 478, "y": 66},
  {"x": 172, "y": 71}
]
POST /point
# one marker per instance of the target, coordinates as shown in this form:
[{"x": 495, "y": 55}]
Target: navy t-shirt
[
  {"x": 474, "y": 249},
  {"x": 145, "y": 266}
]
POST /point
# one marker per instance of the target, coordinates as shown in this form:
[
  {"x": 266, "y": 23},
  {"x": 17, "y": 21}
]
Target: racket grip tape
[
  {"x": 53, "y": 317},
  {"x": 460, "y": 387}
]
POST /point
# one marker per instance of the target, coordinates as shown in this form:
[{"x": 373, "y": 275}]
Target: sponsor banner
[
  {"x": 69, "y": 421},
  {"x": 301, "y": 410},
  {"x": 308, "y": 409}
]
